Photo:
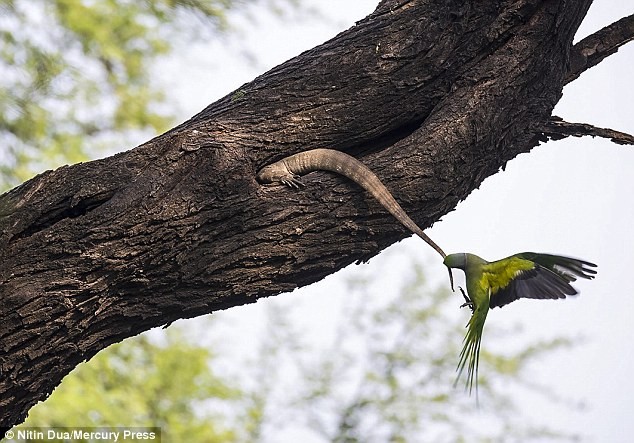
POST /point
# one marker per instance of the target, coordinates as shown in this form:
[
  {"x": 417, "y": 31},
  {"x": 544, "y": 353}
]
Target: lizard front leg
[{"x": 278, "y": 172}]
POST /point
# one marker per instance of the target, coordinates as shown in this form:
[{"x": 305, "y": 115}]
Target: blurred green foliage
[
  {"x": 142, "y": 383},
  {"x": 75, "y": 75}
]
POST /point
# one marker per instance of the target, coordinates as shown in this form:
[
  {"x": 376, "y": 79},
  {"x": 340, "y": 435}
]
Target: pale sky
[{"x": 572, "y": 197}]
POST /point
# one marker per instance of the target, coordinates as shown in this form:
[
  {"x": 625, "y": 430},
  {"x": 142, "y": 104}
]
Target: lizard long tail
[{"x": 344, "y": 164}]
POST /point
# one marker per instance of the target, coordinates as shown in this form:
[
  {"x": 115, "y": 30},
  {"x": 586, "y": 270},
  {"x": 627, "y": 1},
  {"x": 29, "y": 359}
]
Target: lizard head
[{"x": 272, "y": 173}]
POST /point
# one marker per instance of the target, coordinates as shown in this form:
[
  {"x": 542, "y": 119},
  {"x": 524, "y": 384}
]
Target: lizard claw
[{"x": 293, "y": 182}]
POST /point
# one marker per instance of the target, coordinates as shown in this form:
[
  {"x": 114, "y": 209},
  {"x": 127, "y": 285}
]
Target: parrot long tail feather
[{"x": 470, "y": 354}]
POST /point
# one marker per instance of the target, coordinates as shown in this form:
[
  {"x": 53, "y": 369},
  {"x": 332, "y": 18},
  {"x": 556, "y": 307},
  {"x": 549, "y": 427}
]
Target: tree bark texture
[{"x": 434, "y": 96}]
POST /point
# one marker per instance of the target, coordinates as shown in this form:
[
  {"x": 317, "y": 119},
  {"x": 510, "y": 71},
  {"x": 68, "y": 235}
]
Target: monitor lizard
[{"x": 288, "y": 171}]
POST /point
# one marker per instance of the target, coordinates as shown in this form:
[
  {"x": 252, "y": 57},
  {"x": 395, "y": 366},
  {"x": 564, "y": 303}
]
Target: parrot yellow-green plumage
[{"x": 493, "y": 284}]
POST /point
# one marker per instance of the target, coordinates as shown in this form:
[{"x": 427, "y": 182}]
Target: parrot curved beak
[{"x": 451, "y": 279}]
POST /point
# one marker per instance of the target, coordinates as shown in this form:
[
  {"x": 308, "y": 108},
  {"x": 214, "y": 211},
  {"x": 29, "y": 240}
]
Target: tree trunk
[{"x": 433, "y": 96}]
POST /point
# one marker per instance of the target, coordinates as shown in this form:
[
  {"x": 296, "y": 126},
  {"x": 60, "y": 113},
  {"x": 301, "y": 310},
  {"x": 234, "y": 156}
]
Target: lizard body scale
[{"x": 289, "y": 169}]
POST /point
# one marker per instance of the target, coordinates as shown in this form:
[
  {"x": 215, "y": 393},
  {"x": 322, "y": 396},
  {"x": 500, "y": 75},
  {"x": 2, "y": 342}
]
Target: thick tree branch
[
  {"x": 593, "y": 49},
  {"x": 433, "y": 96},
  {"x": 557, "y": 129}
]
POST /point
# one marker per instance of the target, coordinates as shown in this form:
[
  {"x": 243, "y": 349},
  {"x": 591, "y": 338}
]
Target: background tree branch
[
  {"x": 434, "y": 98},
  {"x": 556, "y": 129},
  {"x": 593, "y": 49}
]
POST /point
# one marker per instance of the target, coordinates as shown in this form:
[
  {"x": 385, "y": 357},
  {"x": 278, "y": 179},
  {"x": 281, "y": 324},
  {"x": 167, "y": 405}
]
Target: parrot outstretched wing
[{"x": 548, "y": 278}]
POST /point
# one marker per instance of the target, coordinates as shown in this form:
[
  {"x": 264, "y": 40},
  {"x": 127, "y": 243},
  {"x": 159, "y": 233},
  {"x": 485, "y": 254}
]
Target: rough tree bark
[{"x": 433, "y": 96}]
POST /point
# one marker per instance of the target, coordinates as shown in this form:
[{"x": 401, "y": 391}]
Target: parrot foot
[{"x": 468, "y": 301}]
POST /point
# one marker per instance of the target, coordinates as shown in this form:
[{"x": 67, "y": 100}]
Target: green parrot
[{"x": 491, "y": 284}]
